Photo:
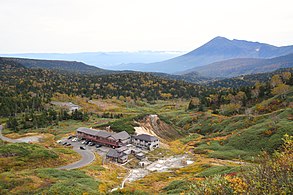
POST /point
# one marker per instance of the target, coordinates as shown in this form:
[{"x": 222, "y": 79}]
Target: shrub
[
  {"x": 273, "y": 174},
  {"x": 177, "y": 187},
  {"x": 68, "y": 182},
  {"x": 29, "y": 151},
  {"x": 218, "y": 170},
  {"x": 212, "y": 185}
]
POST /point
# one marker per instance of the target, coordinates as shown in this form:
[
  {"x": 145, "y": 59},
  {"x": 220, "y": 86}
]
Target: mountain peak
[
  {"x": 219, "y": 38},
  {"x": 217, "y": 46}
]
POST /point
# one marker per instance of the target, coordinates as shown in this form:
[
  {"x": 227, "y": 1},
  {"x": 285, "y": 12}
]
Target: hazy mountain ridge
[
  {"x": 70, "y": 66},
  {"x": 217, "y": 50},
  {"x": 8, "y": 64},
  {"x": 108, "y": 60},
  {"x": 81, "y": 68},
  {"x": 61, "y": 65},
  {"x": 242, "y": 66}
]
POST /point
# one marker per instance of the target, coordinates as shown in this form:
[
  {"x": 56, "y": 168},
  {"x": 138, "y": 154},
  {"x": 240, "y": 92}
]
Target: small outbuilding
[
  {"x": 117, "y": 155},
  {"x": 140, "y": 156}
]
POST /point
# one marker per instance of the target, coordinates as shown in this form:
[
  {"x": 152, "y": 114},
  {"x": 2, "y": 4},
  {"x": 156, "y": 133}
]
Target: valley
[
  {"x": 70, "y": 128},
  {"x": 217, "y": 144}
]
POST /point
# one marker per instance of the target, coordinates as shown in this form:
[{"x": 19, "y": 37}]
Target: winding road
[{"x": 87, "y": 156}]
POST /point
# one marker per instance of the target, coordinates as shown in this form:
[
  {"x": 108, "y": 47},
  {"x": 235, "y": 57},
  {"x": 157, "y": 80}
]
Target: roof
[
  {"x": 112, "y": 153},
  {"x": 121, "y": 149},
  {"x": 94, "y": 132},
  {"x": 104, "y": 134},
  {"x": 121, "y": 135},
  {"x": 140, "y": 154},
  {"x": 146, "y": 137}
]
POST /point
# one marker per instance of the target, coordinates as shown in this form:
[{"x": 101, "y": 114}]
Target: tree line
[{"x": 35, "y": 120}]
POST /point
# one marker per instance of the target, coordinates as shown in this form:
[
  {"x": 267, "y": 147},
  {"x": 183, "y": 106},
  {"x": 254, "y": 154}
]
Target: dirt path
[
  {"x": 123, "y": 182},
  {"x": 20, "y": 140}
]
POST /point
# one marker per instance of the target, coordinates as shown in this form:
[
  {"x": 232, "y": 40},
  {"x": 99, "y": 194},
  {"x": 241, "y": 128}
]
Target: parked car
[
  {"x": 59, "y": 141},
  {"x": 87, "y": 142},
  {"x": 74, "y": 139},
  {"x": 83, "y": 142},
  {"x": 92, "y": 144},
  {"x": 64, "y": 143},
  {"x": 98, "y": 146},
  {"x": 82, "y": 148},
  {"x": 68, "y": 144},
  {"x": 70, "y": 137}
]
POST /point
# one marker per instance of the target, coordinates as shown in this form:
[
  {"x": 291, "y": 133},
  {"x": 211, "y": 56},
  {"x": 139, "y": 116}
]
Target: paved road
[
  {"x": 19, "y": 140},
  {"x": 87, "y": 156}
]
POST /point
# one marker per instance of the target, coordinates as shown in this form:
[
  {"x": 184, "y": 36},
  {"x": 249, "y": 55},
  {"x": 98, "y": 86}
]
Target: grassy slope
[
  {"x": 225, "y": 137},
  {"x": 47, "y": 181},
  {"x": 237, "y": 136}
]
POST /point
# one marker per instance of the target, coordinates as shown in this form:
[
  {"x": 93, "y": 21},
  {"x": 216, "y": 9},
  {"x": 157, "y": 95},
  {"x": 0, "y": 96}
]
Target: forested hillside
[
  {"x": 58, "y": 65},
  {"x": 25, "y": 89},
  {"x": 246, "y": 80},
  {"x": 191, "y": 78}
]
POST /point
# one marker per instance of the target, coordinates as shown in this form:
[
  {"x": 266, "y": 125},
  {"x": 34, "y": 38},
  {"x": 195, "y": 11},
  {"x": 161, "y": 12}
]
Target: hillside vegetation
[
  {"x": 246, "y": 80},
  {"x": 58, "y": 65},
  {"x": 239, "y": 139}
]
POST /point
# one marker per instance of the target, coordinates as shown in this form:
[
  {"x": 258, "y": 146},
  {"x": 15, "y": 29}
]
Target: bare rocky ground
[
  {"x": 152, "y": 125},
  {"x": 161, "y": 165},
  {"x": 30, "y": 139},
  {"x": 68, "y": 105}
]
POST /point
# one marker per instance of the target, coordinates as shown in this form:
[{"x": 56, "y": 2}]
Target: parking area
[{"x": 74, "y": 142}]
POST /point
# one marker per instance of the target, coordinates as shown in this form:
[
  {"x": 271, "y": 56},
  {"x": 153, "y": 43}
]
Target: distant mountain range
[
  {"x": 254, "y": 65},
  {"x": 219, "y": 58},
  {"x": 241, "y": 66},
  {"x": 218, "y": 49},
  {"x": 81, "y": 68},
  {"x": 107, "y": 60},
  {"x": 66, "y": 66}
]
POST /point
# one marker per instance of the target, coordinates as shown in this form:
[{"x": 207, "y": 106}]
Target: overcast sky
[{"x": 130, "y": 25}]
